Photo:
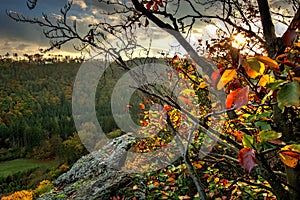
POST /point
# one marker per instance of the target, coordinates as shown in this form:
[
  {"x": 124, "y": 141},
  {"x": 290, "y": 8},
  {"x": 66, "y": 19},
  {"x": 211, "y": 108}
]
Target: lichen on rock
[{"x": 98, "y": 176}]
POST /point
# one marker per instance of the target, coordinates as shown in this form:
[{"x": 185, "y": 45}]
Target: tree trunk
[
  {"x": 293, "y": 179},
  {"x": 280, "y": 118},
  {"x": 268, "y": 26}
]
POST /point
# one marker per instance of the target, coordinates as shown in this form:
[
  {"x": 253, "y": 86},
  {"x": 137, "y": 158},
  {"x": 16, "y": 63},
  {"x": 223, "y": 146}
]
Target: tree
[{"x": 264, "y": 84}]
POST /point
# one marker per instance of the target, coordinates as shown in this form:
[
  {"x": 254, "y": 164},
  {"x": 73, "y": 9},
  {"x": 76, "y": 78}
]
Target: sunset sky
[{"x": 27, "y": 38}]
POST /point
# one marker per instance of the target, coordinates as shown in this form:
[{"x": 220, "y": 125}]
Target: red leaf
[
  {"x": 238, "y": 97},
  {"x": 155, "y": 7},
  {"x": 149, "y": 4},
  {"x": 215, "y": 77},
  {"x": 292, "y": 154},
  {"x": 247, "y": 159}
]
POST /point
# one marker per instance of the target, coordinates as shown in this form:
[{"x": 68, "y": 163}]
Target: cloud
[{"x": 80, "y": 3}]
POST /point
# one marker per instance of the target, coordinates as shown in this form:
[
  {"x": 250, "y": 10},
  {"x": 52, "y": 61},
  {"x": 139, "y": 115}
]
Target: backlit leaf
[
  {"x": 253, "y": 67},
  {"x": 228, "y": 75},
  {"x": 290, "y": 155},
  {"x": 268, "y": 61},
  {"x": 266, "y": 79},
  {"x": 238, "y": 97},
  {"x": 291, "y": 147},
  {"x": 265, "y": 136},
  {"x": 288, "y": 160},
  {"x": 202, "y": 85},
  {"x": 289, "y": 95},
  {"x": 247, "y": 159}
]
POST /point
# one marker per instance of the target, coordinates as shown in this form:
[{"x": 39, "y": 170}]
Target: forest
[
  {"x": 36, "y": 116},
  {"x": 220, "y": 121}
]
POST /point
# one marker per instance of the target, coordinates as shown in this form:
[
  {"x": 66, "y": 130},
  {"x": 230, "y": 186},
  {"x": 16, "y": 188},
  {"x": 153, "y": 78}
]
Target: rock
[{"x": 97, "y": 175}]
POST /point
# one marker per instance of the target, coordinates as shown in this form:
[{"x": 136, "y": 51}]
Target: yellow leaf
[
  {"x": 265, "y": 79},
  {"x": 227, "y": 76},
  {"x": 268, "y": 61},
  {"x": 253, "y": 67},
  {"x": 288, "y": 160},
  {"x": 202, "y": 85}
]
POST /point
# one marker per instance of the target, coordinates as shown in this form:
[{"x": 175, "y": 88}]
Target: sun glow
[{"x": 238, "y": 40}]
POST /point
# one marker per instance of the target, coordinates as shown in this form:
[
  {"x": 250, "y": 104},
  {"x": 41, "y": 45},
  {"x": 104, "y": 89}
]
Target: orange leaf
[
  {"x": 253, "y": 67},
  {"x": 288, "y": 160},
  {"x": 268, "y": 61},
  {"x": 142, "y": 106},
  {"x": 199, "y": 166},
  {"x": 171, "y": 179},
  {"x": 227, "y": 76},
  {"x": 290, "y": 155},
  {"x": 238, "y": 135},
  {"x": 238, "y": 97}
]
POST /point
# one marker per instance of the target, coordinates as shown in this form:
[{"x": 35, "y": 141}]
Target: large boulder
[{"x": 96, "y": 175}]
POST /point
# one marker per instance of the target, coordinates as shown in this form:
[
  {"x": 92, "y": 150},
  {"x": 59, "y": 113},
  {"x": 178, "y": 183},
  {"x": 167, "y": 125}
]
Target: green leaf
[
  {"x": 264, "y": 114},
  {"x": 268, "y": 135},
  {"x": 254, "y": 64},
  {"x": 248, "y": 141},
  {"x": 276, "y": 84},
  {"x": 262, "y": 125},
  {"x": 289, "y": 95}
]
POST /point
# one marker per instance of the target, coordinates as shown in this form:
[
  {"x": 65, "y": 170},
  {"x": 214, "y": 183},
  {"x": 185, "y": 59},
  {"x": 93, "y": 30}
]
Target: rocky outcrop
[{"x": 96, "y": 175}]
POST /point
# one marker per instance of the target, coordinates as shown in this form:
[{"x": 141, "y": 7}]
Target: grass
[{"x": 20, "y": 165}]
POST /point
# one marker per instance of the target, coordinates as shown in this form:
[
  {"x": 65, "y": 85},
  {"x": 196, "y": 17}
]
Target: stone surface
[{"x": 96, "y": 175}]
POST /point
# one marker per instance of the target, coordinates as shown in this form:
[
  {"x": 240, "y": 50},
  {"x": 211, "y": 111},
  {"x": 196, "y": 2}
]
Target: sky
[
  {"x": 23, "y": 38},
  {"x": 27, "y": 38}
]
